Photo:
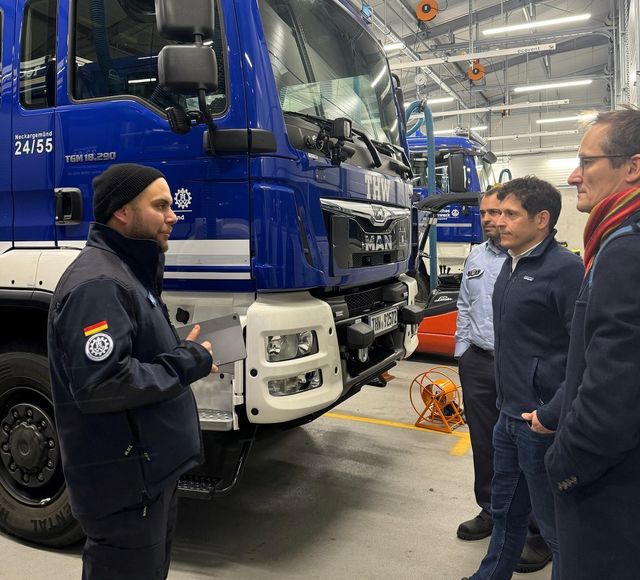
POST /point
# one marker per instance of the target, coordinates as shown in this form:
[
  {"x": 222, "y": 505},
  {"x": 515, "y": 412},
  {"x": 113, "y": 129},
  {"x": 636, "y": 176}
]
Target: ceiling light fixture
[
  {"x": 534, "y": 135},
  {"x": 501, "y": 108},
  {"x": 436, "y": 101},
  {"x": 558, "y": 85},
  {"x": 536, "y": 151},
  {"x": 585, "y": 117},
  {"x": 479, "y": 128},
  {"x": 563, "y": 162},
  {"x": 439, "y": 100},
  {"x": 537, "y": 24},
  {"x": 394, "y": 46}
]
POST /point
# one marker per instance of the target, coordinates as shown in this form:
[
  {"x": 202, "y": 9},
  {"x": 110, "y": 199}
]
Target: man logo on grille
[{"x": 99, "y": 347}]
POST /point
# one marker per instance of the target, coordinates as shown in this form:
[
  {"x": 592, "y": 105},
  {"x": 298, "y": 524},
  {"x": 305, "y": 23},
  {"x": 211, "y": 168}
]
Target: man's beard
[{"x": 139, "y": 231}]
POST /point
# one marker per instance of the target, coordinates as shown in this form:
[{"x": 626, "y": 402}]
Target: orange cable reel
[
  {"x": 437, "y": 390},
  {"x": 426, "y": 10},
  {"x": 476, "y": 71}
]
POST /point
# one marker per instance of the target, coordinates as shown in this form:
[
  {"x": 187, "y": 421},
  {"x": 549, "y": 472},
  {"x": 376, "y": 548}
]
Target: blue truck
[
  {"x": 463, "y": 165},
  {"x": 277, "y": 124},
  {"x": 463, "y": 171}
]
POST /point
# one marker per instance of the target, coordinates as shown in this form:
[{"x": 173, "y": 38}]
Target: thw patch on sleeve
[
  {"x": 99, "y": 344},
  {"x": 98, "y": 347}
]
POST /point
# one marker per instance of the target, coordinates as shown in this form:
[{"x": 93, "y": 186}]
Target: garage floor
[{"x": 359, "y": 493}]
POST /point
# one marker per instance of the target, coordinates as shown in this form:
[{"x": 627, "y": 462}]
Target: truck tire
[{"x": 34, "y": 501}]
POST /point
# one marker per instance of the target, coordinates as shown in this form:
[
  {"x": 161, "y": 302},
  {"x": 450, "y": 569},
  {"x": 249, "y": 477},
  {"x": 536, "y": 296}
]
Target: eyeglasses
[{"x": 585, "y": 161}]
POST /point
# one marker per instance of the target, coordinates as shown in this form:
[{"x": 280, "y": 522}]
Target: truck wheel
[{"x": 34, "y": 502}]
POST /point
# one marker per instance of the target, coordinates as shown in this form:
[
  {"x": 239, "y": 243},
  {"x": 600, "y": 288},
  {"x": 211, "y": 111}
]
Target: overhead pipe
[{"x": 477, "y": 55}]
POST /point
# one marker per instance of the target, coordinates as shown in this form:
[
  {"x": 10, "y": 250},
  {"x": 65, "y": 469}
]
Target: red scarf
[{"x": 605, "y": 217}]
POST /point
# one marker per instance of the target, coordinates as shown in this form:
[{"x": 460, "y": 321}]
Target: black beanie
[{"x": 118, "y": 185}]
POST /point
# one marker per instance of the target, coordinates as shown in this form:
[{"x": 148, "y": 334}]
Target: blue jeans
[{"x": 519, "y": 485}]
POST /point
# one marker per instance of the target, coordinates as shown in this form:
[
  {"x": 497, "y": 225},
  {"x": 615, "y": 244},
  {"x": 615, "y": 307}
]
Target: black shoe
[
  {"x": 477, "y": 528},
  {"x": 535, "y": 555}
]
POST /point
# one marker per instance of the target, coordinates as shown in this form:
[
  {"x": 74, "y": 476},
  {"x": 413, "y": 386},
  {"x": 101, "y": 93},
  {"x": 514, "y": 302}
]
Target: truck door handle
[{"x": 68, "y": 206}]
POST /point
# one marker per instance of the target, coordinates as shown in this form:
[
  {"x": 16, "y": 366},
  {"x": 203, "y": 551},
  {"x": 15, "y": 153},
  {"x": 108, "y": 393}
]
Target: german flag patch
[{"x": 95, "y": 328}]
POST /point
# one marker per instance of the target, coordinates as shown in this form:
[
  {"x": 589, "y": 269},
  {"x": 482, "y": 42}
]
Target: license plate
[{"x": 384, "y": 321}]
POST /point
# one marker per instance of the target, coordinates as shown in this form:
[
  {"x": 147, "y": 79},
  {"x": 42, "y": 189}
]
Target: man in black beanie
[
  {"x": 125, "y": 413},
  {"x": 116, "y": 192}
]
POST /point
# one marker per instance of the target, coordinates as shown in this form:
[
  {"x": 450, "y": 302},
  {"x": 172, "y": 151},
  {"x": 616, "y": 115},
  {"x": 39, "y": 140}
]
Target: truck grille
[
  {"x": 365, "y": 301},
  {"x": 365, "y": 235}
]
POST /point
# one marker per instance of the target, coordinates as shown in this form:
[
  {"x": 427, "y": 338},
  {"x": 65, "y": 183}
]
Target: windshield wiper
[
  {"x": 320, "y": 121},
  {"x": 391, "y": 150},
  {"x": 385, "y": 147},
  {"x": 377, "y": 162},
  {"x": 328, "y": 123}
]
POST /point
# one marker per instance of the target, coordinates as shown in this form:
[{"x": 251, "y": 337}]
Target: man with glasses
[
  {"x": 533, "y": 302},
  {"x": 474, "y": 350},
  {"x": 594, "y": 463}
]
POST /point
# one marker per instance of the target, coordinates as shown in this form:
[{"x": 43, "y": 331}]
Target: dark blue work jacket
[
  {"x": 125, "y": 414},
  {"x": 532, "y": 311}
]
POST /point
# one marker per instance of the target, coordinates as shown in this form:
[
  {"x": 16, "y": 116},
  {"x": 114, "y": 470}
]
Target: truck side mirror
[
  {"x": 188, "y": 68},
  {"x": 191, "y": 67},
  {"x": 489, "y": 157},
  {"x": 457, "y": 173},
  {"x": 177, "y": 22}
]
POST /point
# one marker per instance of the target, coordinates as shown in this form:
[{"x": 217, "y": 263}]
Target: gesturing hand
[{"x": 193, "y": 335}]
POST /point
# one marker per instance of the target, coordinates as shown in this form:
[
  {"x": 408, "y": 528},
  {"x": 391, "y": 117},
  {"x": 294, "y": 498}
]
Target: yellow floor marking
[{"x": 460, "y": 447}]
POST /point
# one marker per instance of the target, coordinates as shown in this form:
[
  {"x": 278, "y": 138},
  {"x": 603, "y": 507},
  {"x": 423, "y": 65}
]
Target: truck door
[
  {"x": 111, "y": 109},
  {"x": 32, "y": 174},
  {"x": 6, "y": 198}
]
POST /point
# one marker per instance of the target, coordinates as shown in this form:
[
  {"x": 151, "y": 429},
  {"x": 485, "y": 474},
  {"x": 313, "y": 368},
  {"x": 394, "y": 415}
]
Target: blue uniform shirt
[{"x": 475, "y": 310}]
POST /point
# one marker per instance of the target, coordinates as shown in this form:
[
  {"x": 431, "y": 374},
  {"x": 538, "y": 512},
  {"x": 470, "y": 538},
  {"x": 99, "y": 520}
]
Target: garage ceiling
[{"x": 584, "y": 51}]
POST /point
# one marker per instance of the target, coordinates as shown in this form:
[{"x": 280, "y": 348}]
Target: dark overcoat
[{"x": 594, "y": 463}]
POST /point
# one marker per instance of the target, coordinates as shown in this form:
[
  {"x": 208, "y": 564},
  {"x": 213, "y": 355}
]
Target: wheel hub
[{"x": 28, "y": 445}]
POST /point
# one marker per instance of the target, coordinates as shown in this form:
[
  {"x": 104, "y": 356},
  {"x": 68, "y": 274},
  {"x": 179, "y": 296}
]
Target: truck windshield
[
  {"x": 421, "y": 172},
  {"x": 326, "y": 64}
]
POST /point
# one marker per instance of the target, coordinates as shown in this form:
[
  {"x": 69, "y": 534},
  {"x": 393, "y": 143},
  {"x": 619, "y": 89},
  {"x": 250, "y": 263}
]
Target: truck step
[
  {"x": 197, "y": 486},
  {"x": 215, "y": 419}
]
